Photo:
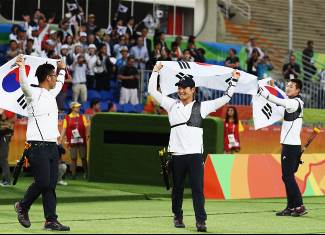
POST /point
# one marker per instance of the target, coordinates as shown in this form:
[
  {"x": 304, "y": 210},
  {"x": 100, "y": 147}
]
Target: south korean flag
[
  {"x": 266, "y": 113},
  {"x": 121, "y": 30},
  {"x": 122, "y": 8},
  {"x": 12, "y": 97}
]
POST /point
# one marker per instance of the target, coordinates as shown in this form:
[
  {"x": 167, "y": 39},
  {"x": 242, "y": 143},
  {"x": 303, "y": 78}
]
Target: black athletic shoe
[
  {"x": 55, "y": 226},
  {"x": 5, "y": 183},
  {"x": 201, "y": 227},
  {"x": 300, "y": 211},
  {"x": 22, "y": 214},
  {"x": 285, "y": 212},
  {"x": 178, "y": 222}
]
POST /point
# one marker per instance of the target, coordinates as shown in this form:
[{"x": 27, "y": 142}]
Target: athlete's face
[
  {"x": 292, "y": 90},
  {"x": 52, "y": 78},
  {"x": 186, "y": 93}
]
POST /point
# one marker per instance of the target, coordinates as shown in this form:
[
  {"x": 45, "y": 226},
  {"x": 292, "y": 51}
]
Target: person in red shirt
[
  {"x": 75, "y": 128},
  {"x": 94, "y": 108},
  {"x": 231, "y": 131}
]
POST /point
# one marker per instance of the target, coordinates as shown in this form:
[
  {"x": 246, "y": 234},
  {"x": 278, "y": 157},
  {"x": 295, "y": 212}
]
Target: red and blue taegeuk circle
[
  {"x": 10, "y": 82},
  {"x": 274, "y": 92}
]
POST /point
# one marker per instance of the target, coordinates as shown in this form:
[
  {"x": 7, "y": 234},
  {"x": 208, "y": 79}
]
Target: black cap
[{"x": 186, "y": 82}]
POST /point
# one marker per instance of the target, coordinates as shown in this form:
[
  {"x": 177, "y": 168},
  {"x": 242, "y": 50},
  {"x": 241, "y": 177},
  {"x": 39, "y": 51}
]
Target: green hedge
[{"x": 124, "y": 147}]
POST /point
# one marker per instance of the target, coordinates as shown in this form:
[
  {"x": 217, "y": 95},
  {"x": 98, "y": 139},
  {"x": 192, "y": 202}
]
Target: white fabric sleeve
[
  {"x": 59, "y": 83},
  {"x": 165, "y": 102},
  {"x": 291, "y": 105},
  {"x": 208, "y": 107},
  {"x": 26, "y": 88}
]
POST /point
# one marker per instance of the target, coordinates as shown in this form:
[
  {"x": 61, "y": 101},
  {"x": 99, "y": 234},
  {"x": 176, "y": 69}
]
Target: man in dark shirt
[
  {"x": 232, "y": 60},
  {"x": 307, "y": 55},
  {"x": 129, "y": 76},
  {"x": 292, "y": 69}
]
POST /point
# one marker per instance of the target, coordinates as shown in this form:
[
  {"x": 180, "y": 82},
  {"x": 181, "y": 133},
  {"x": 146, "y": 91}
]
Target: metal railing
[{"x": 230, "y": 6}]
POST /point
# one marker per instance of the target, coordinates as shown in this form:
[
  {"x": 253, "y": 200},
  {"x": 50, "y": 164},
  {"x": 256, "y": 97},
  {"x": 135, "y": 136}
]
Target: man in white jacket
[
  {"x": 42, "y": 135},
  {"x": 291, "y": 144},
  {"x": 186, "y": 141}
]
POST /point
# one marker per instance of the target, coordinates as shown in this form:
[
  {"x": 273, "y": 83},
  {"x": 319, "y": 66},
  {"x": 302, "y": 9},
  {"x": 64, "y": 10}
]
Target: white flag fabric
[
  {"x": 205, "y": 75},
  {"x": 122, "y": 8},
  {"x": 121, "y": 30},
  {"x": 109, "y": 29},
  {"x": 149, "y": 20},
  {"x": 266, "y": 113},
  {"x": 159, "y": 14},
  {"x": 11, "y": 95}
]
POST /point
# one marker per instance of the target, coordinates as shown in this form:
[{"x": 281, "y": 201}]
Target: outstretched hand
[
  {"x": 236, "y": 75},
  {"x": 20, "y": 61}
]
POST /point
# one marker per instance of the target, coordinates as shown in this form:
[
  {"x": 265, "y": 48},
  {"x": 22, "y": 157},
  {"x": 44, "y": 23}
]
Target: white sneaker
[{"x": 63, "y": 183}]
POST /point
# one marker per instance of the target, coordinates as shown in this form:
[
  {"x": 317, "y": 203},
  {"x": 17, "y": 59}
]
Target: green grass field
[{"x": 112, "y": 208}]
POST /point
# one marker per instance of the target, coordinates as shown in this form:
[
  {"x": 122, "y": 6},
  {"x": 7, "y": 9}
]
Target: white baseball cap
[
  {"x": 65, "y": 46},
  {"x": 83, "y": 34},
  {"x": 92, "y": 46}
]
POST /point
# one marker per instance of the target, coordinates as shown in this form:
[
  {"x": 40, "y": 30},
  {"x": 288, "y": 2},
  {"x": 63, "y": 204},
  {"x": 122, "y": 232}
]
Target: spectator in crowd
[
  {"x": 30, "y": 47},
  {"x": 251, "y": 45},
  {"x": 7, "y": 122},
  {"x": 14, "y": 32},
  {"x": 117, "y": 47},
  {"x": 91, "y": 59},
  {"x": 79, "y": 79},
  {"x": 292, "y": 69},
  {"x": 94, "y": 107},
  {"x": 13, "y": 50},
  {"x": 91, "y": 24},
  {"x": 84, "y": 40},
  {"x": 111, "y": 107},
  {"x": 124, "y": 59},
  {"x": 62, "y": 167},
  {"x": 231, "y": 131},
  {"x": 160, "y": 38},
  {"x": 102, "y": 74},
  {"x": 200, "y": 55},
  {"x": 175, "y": 53},
  {"x": 264, "y": 67},
  {"x": 165, "y": 55},
  {"x": 155, "y": 55},
  {"x": 307, "y": 60},
  {"x": 232, "y": 61},
  {"x": 108, "y": 42},
  {"x": 187, "y": 56},
  {"x": 129, "y": 76},
  {"x": 75, "y": 129},
  {"x": 130, "y": 27},
  {"x": 191, "y": 45},
  {"x": 140, "y": 54},
  {"x": 70, "y": 42},
  {"x": 146, "y": 40},
  {"x": 253, "y": 61},
  {"x": 64, "y": 29}
]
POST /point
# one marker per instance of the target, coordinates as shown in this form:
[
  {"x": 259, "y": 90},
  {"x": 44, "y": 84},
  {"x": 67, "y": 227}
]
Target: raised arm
[
  {"x": 208, "y": 107},
  {"x": 26, "y": 88},
  {"x": 291, "y": 105},
  {"x": 60, "y": 79},
  {"x": 162, "y": 100}
]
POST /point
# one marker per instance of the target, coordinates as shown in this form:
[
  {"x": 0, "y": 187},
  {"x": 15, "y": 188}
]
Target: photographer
[
  {"x": 292, "y": 69},
  {"x": 79, "y": 80},
  {"x": 7, "y": 121}
]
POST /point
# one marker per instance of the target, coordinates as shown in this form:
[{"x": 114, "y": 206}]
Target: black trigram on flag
[
  {"x": 267, "y": 110},
  {"x": 228, "y": 81},
  {"x": 184, "y": 65},
  {"x": 22, "y": 102},
  {"x": 182, "y": 76}
]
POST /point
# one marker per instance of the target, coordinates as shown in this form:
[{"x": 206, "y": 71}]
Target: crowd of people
[{"x": 97, "y": 57}]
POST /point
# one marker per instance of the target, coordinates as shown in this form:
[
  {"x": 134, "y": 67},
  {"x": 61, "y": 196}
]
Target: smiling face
[
  {"x": 186, "y": 94},
  {"x": 292, "y": 90}
]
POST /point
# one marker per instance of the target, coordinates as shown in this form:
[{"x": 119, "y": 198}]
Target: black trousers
[
  {"x": 194, "y": 166},
  {"x": 4, "y": 151},
  {"x": 290, "y": 159},
  {"x": 44, "y": 162}
]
